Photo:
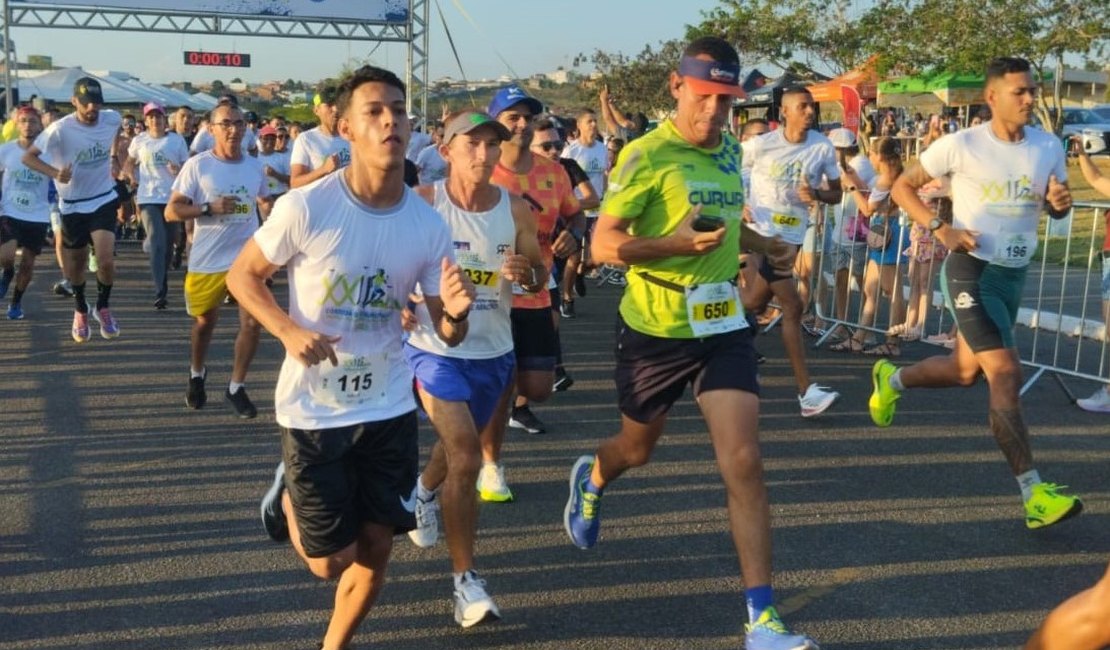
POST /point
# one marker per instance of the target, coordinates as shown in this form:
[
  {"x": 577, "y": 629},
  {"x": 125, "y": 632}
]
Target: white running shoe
[
  {"x": 817, "y": 400},
  {"x": 472, "y": 604},
  {"x": 491, "y": 484},
  {"x": 426, "y": 533},
  {"x": 1099, "y": 402}
]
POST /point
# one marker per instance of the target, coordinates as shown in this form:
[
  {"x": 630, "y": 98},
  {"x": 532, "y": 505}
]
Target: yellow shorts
[{"x": 204, "y": 292}]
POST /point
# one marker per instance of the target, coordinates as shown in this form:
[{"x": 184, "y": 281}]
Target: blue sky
[{"x": 530, "y": 37}]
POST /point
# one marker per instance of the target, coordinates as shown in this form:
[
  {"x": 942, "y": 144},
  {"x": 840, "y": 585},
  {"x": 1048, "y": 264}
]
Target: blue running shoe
[
  {"x": 770, "y": 633},
  {"x": 15, "y": 311},
  {"x": 582, "y": 514}
]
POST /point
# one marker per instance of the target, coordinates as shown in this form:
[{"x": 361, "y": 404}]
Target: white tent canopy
[
  {"x": 57, "y": 85},
  {"x": 118, "y": 88}
]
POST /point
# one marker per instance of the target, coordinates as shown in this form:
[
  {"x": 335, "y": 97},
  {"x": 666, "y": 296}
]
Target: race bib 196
[
  {"x": 1015, "y": 249},
  {"x": 357, "y": 380},
  {"x": 714, "y": 309}
]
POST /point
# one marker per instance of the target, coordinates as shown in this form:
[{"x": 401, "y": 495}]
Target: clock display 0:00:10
[{"x": 226, "y": 59}]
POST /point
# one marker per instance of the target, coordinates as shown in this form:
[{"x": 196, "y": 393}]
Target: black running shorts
[
  {"x": 534, "y": 339},
  {"x": 339, "y": 479},
  {"x": 77, "y": 228},
  {"x": 652, "y": 372},
  {"x": 28, "y": 235}
]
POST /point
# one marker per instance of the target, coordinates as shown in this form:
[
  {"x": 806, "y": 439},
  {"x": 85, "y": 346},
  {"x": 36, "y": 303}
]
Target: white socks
[
  {"x": 895, "y": 381},
  {"x": 1027, "y": 481}
]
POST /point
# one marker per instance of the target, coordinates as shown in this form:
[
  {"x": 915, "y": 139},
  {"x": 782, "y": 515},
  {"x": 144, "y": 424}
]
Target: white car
[{"x": 1093, "y": 128}]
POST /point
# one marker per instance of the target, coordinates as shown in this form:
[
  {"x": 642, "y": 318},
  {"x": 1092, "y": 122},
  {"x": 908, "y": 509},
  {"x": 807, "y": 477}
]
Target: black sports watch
[
  {"x": 934, "y": 224},
  {"x": 206, "y": 210}
]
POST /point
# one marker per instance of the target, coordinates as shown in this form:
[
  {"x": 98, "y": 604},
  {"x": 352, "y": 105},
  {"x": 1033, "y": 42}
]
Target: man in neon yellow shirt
[{"x": 672, "y": 215}]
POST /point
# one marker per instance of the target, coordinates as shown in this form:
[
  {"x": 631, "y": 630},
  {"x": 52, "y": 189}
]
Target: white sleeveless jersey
[{"x": 481, "y": 241}]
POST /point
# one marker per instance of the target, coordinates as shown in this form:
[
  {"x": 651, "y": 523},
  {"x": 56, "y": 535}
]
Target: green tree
[
  {"x": 236, "y": 80},
  {"x": 218, "y": 86},
  {"x": 289, "y": 85},
  {"x": 960, "y": 36},
  {"x": 823, "y": 35},
  {"x": 638, "y": 84}
]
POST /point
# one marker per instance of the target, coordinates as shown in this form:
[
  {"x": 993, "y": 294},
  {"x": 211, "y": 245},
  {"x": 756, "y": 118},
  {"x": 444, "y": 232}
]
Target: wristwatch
[
  {"x": 934, "y": 224},
  {"x": 206, "y": 210}
]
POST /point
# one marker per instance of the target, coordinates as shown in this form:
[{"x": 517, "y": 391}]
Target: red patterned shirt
[{"x": 547, "y": 191}]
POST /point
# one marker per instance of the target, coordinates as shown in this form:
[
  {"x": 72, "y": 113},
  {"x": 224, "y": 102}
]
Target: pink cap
[
  {"x": 153, "y": 106},
  {"x": 267, "y": 130}
]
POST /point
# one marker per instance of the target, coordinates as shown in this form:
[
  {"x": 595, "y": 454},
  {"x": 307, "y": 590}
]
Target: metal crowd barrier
[{"x": 1062, "y": 306}]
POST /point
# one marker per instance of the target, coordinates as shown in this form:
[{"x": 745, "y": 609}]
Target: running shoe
[
  {"x": 580, "y": 286},
  {"x": 581, "y": 517},
  {"x": 563, "y": 380},
  {"x": 426, "y": 533},
  {"x": 62, "y": 288},
  {"x": 883, "y": 396},
  {"x": 472, "y": 604},
  {"x": 273, "y": 516},
  {"x": 1098, "y": 402},
  {"x": 617, "y": 279},
  {"x": 817, "y": 400},
  {"x": 241, "y": 403},
  {"x": 195, "y": 395},
  {"x": 491, "y": 484},
  {"x": 770, "y": 633},
  {"x": 161, "y": 303},
  {"x": 15, "y": 311},
  {"x": 109, "y": 328},
  {"x": 523, "y": 418},
  {"x": 566, "y": 309},
  {"x": 5, "y": 282},
  {"x": 1047, "y": 506},
  {"x": 80, "y": 329}
]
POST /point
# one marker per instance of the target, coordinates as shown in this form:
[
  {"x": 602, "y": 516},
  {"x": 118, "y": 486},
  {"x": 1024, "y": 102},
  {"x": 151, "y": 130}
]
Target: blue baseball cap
[{"x": 510, "y": 96}]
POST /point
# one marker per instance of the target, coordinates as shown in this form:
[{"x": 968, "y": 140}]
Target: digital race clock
[{"x": 226, "y": 59}]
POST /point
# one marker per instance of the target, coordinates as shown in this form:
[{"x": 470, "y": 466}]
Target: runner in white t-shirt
[
  {"x": 24, "y": 211},
  {"x": 787, "y": 166},
  {"x": 154, "y": 158},
  {"x": 591, "y": 154},
  {"x": 355, "y": 244},
  {"x": 221, "y": 191},
  {"x": 79, "y": 148},
  {"x": 275, "y": 164},
  {"x": 320, "y": 151},
  {"x": 462, "y": 388},
  {"x": 1003, "y": 175}
]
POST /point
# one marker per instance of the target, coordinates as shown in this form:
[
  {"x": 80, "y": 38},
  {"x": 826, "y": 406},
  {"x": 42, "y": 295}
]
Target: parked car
[{"x": 1093, "y": 128}]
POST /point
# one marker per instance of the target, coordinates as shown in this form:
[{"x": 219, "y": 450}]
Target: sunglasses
[{"x": 557, "y": 145}]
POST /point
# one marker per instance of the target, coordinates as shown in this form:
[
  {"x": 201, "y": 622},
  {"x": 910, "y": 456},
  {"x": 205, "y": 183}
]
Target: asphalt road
[{"x": 128, "y": 521}]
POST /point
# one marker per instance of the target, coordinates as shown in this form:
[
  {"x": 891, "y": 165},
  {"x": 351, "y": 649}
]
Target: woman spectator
[
  {"x": 925, "y": 254},
  {"x": 885, "y": 242}
]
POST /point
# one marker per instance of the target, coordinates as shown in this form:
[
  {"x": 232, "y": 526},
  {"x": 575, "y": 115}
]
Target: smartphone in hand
[{"x": 706, "y": 223}]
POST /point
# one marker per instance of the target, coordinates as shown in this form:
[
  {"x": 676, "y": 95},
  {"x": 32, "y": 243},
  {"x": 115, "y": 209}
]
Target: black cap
[
  {"x": 87, "y": 91},
  {"x": 251, "y": 117}
]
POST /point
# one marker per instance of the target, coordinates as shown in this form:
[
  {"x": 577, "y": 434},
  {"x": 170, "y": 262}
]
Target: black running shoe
[
  {"x": 563, "y": 380},
  {"x": 523, "y": 418},
  {"x": 566, "y": 309},
  {"x": 161, "y": 304},
  {"x": 241, "y": 403},
  {"x": 195, "y": 397},
  {"x": 273, "y": 517}
]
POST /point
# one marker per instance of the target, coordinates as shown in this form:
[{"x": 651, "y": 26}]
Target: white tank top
[{"x": 481, "y": 240}]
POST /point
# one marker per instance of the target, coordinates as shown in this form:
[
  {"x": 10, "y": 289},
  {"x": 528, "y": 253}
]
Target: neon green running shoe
[
  {"x": 883, "y": 397},
  {"x": 769, "y": 633},
  {"x": 1047, "y": 506}
]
